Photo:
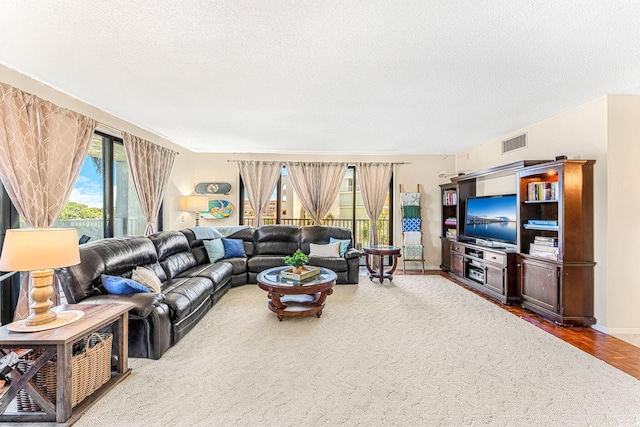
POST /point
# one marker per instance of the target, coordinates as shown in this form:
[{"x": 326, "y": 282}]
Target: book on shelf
[
  {"x": 542, "y": 222},
  {"x": 452, "y": 220},
  {"x": 449, "y": 197},
  {"x": 541, "y": 254},
  {"x": 451, "y": 233},
  {"x": 540, "y": 227},
  {"x": 539, "y": 190},
  {"x": 543, "y": 248},
  {"x": 545, "y": 241}
]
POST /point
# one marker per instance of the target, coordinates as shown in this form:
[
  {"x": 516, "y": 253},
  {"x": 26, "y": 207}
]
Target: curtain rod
[
  {"x": 285, "y": 161},
  {"x": 103, "y": 127}
]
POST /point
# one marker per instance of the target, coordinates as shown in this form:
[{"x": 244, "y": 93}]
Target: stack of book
[
  {"x": 451, "y": 233},
  {"x": 544, "y": 247},
  {"x": 451, "y": 220},
  {"x": 542, "y": 191},
  {"x": 449, "y": 197}
]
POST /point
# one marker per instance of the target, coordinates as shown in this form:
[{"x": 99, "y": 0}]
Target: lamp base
[{"x": 63, "y": 318}]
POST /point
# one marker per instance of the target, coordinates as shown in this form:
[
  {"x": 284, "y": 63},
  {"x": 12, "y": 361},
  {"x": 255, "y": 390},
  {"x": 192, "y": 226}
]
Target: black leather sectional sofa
[{"x": 191, "y": 285}]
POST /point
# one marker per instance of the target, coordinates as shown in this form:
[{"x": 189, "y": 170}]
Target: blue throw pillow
[
  {"x": 233, "y": 248},
  {"x": 214, "y": 248},
  {"x": 344, "y": 244},
  {"x": 121, "y": 285}
]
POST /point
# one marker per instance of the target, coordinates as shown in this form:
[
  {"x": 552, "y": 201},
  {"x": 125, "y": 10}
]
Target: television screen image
[{"x": 492, "y": 218}]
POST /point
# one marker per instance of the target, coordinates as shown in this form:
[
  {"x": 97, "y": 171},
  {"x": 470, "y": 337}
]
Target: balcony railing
[{"x": 360, "y": 231}]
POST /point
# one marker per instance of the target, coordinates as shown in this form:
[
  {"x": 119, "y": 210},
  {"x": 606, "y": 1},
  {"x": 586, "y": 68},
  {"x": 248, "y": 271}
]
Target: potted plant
[{"x": 296, "y": 260}]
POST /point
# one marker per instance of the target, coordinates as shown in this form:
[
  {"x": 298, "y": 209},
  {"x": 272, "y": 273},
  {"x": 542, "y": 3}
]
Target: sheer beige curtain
[
  {"x": 42, "y": 149},
  {"x": 374, "y": 179},
  {"x": 150, "y": 166},
  {"x": 259, "y": 180},
  {"x": 317, "y": 184}
]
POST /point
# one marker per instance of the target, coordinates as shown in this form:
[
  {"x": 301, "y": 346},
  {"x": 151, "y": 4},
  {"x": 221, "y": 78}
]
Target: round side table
[{"x": 381, "y": 251}]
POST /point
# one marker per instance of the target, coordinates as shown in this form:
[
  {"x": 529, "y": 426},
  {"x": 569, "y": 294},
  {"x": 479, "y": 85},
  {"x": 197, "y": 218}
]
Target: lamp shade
[
  {"x": 195, "y": 203},
  {"x": 31, "y": 249}
]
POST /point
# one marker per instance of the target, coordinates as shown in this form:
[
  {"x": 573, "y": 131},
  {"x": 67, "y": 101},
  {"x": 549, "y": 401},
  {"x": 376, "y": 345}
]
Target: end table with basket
[{"x": 61, "y": 373}]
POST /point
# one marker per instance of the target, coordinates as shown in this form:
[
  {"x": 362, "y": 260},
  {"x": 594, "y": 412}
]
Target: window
[
  {"x": 103, "y": 202},
  {"x": 347, "y": 211}
]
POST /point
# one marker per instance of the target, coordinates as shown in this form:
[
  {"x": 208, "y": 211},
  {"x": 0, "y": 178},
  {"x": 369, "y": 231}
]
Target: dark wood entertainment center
[{"x": 550, "y": 269}]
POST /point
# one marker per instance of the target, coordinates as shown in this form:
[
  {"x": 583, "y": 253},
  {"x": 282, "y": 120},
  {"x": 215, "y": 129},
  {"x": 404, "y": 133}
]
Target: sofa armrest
[
  {"x": 143, "y": 303},
  {"x": 352, "y": 253}
]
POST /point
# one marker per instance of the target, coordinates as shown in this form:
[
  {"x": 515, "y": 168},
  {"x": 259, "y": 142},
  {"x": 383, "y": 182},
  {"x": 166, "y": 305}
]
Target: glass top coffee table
[{"x": 293, "y": 298}]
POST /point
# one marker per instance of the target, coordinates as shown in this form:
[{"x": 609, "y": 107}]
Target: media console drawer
[
  {"x": 494, "y": 257},
  {"x": 455, "y": 247}
]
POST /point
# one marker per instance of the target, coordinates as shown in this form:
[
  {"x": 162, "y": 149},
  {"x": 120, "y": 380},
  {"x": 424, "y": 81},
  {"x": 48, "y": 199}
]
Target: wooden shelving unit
[
  {"x": 554, "y": 277},
  {"x": 556, "y": 241}
]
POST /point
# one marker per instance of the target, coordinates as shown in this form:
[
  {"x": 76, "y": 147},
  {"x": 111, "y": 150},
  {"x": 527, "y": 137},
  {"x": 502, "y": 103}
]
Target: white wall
[{"x": 623, "y": 254}]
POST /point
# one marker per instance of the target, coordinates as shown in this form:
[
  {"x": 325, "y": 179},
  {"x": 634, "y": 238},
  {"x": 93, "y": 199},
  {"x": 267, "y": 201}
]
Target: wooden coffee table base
[
  {"x": 298, "y": 305},
  {"x": 290, "y": 298}
]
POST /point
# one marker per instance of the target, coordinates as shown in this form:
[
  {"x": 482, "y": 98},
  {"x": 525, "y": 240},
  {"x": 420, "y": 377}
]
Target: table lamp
[
  {"x": 39, "y": 251},
  {"x": 195, "y": 204}
]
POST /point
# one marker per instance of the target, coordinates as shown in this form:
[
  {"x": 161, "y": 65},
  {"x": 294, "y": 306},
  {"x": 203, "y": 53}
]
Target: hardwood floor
[{"x": 611, "y": 350}]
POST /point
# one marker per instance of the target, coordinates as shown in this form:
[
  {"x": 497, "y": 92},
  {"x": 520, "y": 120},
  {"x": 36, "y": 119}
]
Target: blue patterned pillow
[
  {"x": 233, "y": 248},
  {"x": 121, "y": 285}
]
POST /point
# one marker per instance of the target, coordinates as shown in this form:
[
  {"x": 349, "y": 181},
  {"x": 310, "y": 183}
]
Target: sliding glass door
[{"x": 347, "y": 210}]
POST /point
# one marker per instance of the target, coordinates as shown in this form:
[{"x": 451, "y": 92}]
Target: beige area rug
[{"x": 421, "y": 351}]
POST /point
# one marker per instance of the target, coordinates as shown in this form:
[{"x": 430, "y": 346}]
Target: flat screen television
[{"x": 492, "y": 218}]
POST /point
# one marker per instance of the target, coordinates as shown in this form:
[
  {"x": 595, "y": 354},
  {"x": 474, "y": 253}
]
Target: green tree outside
[{"x": 73, "y": 210}]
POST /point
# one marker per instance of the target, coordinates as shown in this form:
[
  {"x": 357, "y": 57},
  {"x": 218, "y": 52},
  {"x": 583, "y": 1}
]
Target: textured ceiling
[{"x": 358, "y": 76}]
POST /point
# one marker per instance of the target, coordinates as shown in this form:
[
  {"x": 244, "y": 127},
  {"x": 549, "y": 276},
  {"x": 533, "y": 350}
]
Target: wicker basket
[{"x": 89, "y": 371}]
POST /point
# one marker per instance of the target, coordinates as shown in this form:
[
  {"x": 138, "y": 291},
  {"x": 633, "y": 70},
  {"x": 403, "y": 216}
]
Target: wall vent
[{"x": 515, "y": 143}]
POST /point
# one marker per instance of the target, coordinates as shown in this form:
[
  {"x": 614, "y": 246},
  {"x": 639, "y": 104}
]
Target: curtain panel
[
  {"x": 317, "y": 185},
  {"x": 374, "y": 179},
  {"x": 259, "y": 178},
  {"x": 42, "y": 149},
  {"x": 150, "y": 166}
]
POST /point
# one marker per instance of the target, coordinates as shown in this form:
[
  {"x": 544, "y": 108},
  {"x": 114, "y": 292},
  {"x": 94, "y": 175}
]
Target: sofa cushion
[
  {"x": 337, "y": 264},
  {"x": 214, "y": 248},
  {"x": 233, "y": 248},
  {"x": 326, "y": 250},
  {"x": 185, "y": 294},
  {"x": 344, "y": 244},
  {"x": 238, "y": 265},
  {"x": 148, "y": 278},
  {"x": 322, "y": 234},
  {"x": 258, "y": 263},
  {"x": 121, "y": 285},
  {"x": 277, "y": 240},
  {"x": 247, "y": 236},
  {"x": 173, "y": 252},
  {"x": 218, "y": 273}
]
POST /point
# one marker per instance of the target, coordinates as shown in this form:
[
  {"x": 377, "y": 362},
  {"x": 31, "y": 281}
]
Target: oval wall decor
[{"x": 218, "y": 209}]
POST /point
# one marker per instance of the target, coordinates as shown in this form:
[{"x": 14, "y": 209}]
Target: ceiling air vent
[{"x": 519, "y": 141}]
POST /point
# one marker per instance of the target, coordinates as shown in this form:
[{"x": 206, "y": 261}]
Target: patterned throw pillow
[
  {"x": 121, "y": 285},
  {"x": 146, "y": 277}
]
